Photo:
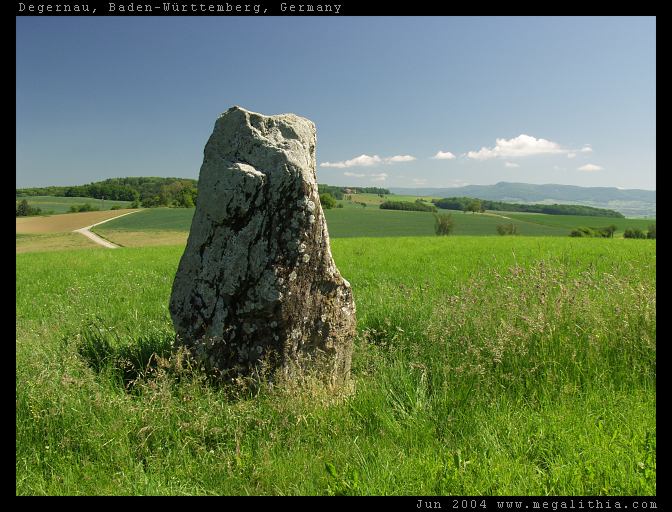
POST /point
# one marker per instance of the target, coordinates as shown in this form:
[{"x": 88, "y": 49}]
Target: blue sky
[{"x": 536, "y": 100}]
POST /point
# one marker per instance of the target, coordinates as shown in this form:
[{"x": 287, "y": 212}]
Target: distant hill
[{"x": 630, "y": 202}]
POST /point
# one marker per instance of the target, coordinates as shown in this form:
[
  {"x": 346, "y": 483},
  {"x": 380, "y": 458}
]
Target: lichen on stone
[{"x": 257, "y": 280}]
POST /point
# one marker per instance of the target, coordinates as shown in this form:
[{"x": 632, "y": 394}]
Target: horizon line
[{"x": 362, "y": 186}]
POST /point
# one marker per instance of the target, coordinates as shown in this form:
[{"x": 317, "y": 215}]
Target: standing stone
[{"x": 257, "y": 280}]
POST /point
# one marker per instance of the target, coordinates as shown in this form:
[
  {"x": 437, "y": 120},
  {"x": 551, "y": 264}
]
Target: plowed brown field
[{"x": 64, "y": 222}]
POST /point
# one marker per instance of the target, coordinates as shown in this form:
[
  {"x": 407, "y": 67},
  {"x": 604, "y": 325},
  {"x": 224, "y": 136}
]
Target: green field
[
  {"x": 351, "y": 222},
  {"x": 575, "y": 221},
  {"x": 347, "y": 222},
  {"x": 374, "y": 200},
  {"x": 63, "y": 204},
  {"x": 153, "y": 219},
  {"x": 483, "y": 366}
]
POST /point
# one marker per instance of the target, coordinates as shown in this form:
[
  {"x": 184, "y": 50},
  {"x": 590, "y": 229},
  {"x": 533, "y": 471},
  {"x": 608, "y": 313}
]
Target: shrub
[
  {"x": 582, "y": 232},
  {"x": 116, "y": 207},
  {"x": 86, "y": 207},
  {"x": 473, "y": 206},
  {"x": 507, "y": 229},
  {"x": 652, "y": 232},
  {"x": 151, "y": 202},
  {"x": 634, "y": 233},
  {"x": 328, "y": 201},
  {"x": 443, "y": 224},
  {"x": 23, "y": 209},
  {"x": 600, "y": 232},
  {"x": 604, "y": 232}
]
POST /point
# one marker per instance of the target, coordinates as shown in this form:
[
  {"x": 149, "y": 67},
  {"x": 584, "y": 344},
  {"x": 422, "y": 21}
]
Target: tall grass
[{"x": 482, "y": 366}]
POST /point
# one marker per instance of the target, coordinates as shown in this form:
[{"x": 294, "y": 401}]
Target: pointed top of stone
[
  {"x": 249, "y": 113},
  {"x": 264, "y": 142}
]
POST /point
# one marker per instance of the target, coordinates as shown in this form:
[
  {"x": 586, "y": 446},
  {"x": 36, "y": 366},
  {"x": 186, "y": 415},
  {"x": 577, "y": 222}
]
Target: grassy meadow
[
  {"x": 154, "y": 226},
  {"x": 482, "y": 366},
  {"x": 38, "y": 242}
]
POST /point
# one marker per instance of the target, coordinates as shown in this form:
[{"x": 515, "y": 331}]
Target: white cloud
[
  {"x": 443, "y": 155},
  {"x": 590, "y": 168},
  {"x": 399, "y": 158},
  {"x": 523, "y": 145},
  {"x": 368, "y": 161},
  {"x": 358, "y": 161},
  {"x": 373, "y": 177},
  {"x": 586, "y": 149},
  {"x": 510, "y": 164},
  {"x": 558, "y": 168},
  {"x": 419, "y": 181},
  {"x": 571, "y": 155}
]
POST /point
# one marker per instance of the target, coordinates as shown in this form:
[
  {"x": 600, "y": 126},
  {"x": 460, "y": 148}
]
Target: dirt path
[
  {"x": 497, "y": 215},
  {"x": 89, "y": 234}
]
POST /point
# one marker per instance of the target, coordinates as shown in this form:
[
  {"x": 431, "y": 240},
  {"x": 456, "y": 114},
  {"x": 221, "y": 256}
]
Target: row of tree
[
  {"x": 608, "y": 232},
  {"x": 417, "y": 206},
  {"x": 638, "y": 233},
  {"x": 339, "y": 192},
  {"x": 142, "y": 191},
  {"x": 470, "y": 204},
  {"x": 604, "y": 232},
  {"x": 150, "y": 192}
]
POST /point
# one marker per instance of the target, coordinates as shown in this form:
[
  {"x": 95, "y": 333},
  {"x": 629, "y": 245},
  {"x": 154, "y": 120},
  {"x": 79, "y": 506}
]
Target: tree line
[
  {"x": 147, "y": 192},
  {"x": 417, "y": 206},
  {"x": 638, "y": 233},
  {"x": 473, "y": 205},
  {"x": 339, "y": 192},
  {"x": 150, "y": 192},
  {"x": 608, "y": 232},
  {"x": 603, "y": 232}
]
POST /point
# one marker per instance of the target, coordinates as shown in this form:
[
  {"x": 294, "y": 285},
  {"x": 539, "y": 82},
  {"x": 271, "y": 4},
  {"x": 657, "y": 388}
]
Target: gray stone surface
[{"x": 257, "y": 280}]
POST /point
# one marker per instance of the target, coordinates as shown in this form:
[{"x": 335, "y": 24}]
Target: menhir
[{"x": 257, "y": 282}]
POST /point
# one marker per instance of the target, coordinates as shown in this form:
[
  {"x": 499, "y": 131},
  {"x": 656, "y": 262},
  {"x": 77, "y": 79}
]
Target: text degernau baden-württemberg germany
[{"x": 168, "y": 7}]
